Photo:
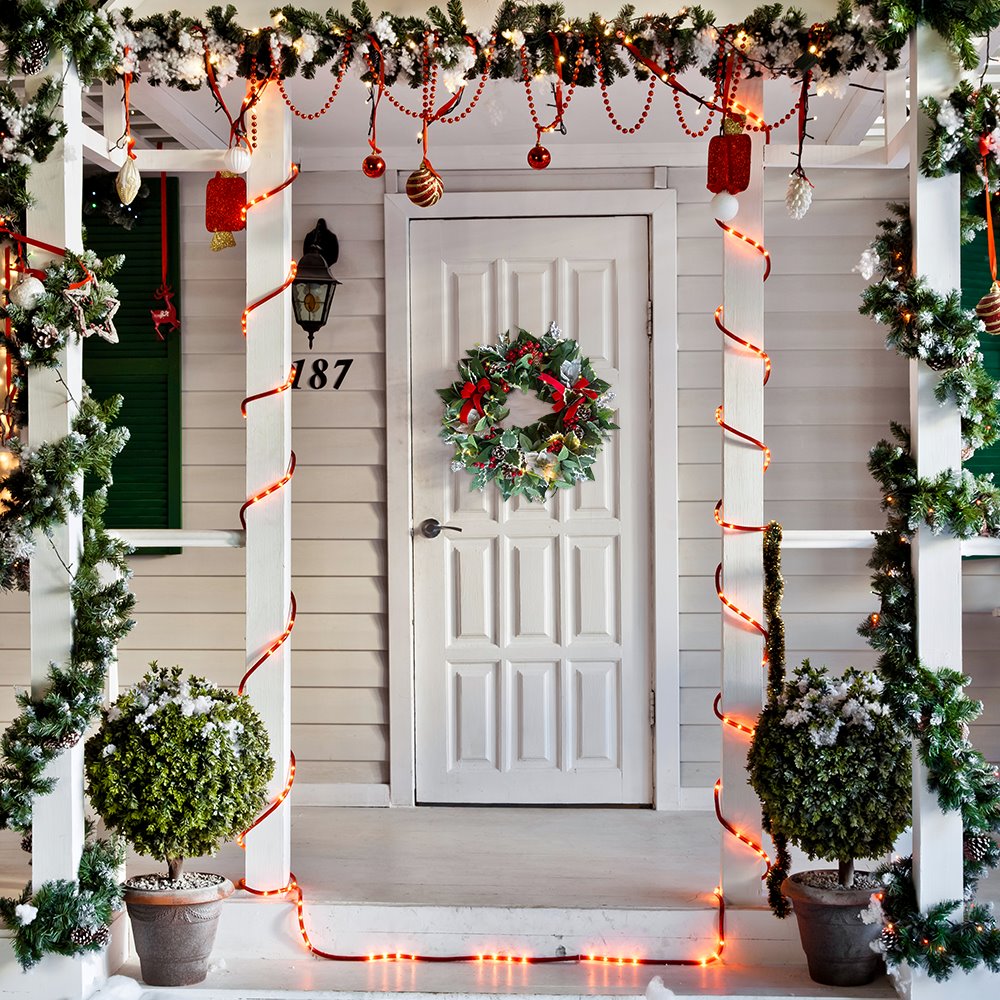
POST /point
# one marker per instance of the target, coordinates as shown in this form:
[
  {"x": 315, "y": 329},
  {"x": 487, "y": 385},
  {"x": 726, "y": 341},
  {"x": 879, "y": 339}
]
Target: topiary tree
[
  {"x": 178, "y": 766},
  {"x": 832, "y": 768}
]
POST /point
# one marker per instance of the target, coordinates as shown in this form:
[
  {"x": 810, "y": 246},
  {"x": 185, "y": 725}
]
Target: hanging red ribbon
[
  {"x": 986, "y": 144},
  {"x": 473, "y": 393},
  {"x": 559, "y": 395},
  {"x": 167, "y": 316}
]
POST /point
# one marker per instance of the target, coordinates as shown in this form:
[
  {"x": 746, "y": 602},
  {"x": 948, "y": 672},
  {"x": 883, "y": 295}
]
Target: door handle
[{"x": 432, "y": 527}]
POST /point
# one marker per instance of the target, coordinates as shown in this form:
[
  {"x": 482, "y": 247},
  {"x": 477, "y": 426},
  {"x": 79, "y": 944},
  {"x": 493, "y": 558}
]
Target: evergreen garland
[
  {"x": 68, "y": 917},
  {"x": 931, "y": 704},
  {"x": 922, "y": 323},
  {"x": 774, "y": 591}
]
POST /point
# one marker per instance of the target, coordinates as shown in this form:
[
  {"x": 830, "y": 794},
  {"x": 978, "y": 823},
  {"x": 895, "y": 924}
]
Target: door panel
[{"x": 532, "y": 624}]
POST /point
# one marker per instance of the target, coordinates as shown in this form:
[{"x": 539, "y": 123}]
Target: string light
[
  {"x": 284, "y": 387},
  {"x": 734, "y": 723},
  {"x": 273, "y": 488},
  {"x": 293, "y": 173},
  {"x": 738, "y": 834}
]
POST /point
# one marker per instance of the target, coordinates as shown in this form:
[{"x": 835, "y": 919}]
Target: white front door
[{"x": 532, "y": 624}]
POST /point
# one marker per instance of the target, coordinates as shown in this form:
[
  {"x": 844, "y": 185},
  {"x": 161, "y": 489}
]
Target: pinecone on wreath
[
  {"x": 887, "y": 938},
  {"x": 26, "y": 843},
  {"x": 976, "y": 847},
  {"x": 35, "y": 56},
  {"x": 83, "y": 936},
  {"x": 63, "y": 742}
]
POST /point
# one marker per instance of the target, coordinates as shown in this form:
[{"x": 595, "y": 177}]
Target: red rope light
[
  {"x": 292, "y": 271},
  {"x": 284, "y": 387},
  {"x": 738, "y": 834},
  {"x": 272, "y": 649},
  {"x": 273, "y": 488},
  {"x": 293, "y": 173},
  {"x": 728, "y": 720}
]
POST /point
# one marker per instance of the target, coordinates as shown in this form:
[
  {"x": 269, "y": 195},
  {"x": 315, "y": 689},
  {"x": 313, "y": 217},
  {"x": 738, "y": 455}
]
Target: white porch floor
[{"x": 446, "y": 880}]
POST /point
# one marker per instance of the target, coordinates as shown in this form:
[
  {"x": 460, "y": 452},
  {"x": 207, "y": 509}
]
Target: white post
[
  {"x": 269, "y": 442},
  {"x": 937, "y": 445},
  {"x": 743, "y": 679},
  {"x": 57, "y": 826}
]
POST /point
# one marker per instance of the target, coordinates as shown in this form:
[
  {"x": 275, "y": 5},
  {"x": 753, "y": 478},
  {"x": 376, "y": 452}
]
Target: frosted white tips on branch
[{"x": 725, "y": 206}]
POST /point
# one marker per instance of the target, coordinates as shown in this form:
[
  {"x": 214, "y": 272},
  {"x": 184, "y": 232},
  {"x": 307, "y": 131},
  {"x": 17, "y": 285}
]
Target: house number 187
[{"x": 318, "y": 379}]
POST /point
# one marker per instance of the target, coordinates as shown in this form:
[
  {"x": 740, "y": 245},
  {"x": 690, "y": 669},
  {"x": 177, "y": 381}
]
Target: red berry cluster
[
  {"x": 529, "y": 347},
  {"x": 555, "y": 447}
]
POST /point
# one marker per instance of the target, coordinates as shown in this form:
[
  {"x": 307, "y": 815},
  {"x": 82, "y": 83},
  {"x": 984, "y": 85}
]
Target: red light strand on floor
[{"x": 493, "y": 957}]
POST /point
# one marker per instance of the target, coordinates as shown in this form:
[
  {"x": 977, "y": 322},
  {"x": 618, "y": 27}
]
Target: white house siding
[{"x": 832, "y": 393}]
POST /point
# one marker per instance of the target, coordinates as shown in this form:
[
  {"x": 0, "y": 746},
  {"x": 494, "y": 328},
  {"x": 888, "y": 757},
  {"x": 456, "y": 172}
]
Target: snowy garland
[
  {"x": 965, "y": 140},
  {"x": 73, "y": 300},
  {"x": 931, "y": 704},
  {"x": 773, "y": 40},
  {"x": 555, "y": 452},
  {"x": 924, "y": 324}
]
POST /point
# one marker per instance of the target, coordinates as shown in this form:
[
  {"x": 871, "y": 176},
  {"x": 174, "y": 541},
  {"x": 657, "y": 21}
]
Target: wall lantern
[{"x": 314, "y": 287}]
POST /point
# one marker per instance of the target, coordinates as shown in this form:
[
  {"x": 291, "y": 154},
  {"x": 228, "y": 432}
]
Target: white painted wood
[
  {"x": 181, "y": 538},
  {"x": 981, "y": 547},
  {"x": 57, "y": 827},
  {"x": 180, "y": 161},
  {"x": 268, "y": 447},
  {"x": 113, "y": 119},
  {"x": 936, "y": 439},
  {"x": 827, "y": 539},
  {"x": 743, "y": 495},
  {"x": 173, "y": 112},
  {"x": 561, "y": 204}
]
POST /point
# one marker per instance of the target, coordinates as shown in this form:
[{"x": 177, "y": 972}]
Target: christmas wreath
[{"x": 553, "y": 453}]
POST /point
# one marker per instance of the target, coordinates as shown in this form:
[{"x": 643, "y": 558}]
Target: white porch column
[
  {"x": 57, "y": 827},
  {"x": 937, "y": 445},
  {"x": 269, "y": 442},
  {"x": 743, "y": 680}
]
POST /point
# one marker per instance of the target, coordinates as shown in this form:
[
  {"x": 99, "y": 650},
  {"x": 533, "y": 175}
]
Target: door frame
[{"x": 660, "y": 207}]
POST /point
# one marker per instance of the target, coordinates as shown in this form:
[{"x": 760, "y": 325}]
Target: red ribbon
[
  {"x": 473, "y": 393},
  {"x": 986, "y": 144},
  {"x": 559, "y": 395}
]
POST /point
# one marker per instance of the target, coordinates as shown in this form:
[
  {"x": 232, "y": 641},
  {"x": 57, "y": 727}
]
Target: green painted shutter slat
[{"x": 146, "y": 370}]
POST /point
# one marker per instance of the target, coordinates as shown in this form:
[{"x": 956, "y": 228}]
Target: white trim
[
  {"x": 660, "y": 206},
  {"x": 340, "y": 794},
  {"x": 981, "y": 547},
  {"x": 834, "y": 539},
  {"x": 181, "y": 538}
]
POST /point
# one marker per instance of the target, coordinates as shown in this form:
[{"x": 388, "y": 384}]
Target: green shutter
[
  {"x": 144, "y": 369},
  {"x": 975, "y": 284}
]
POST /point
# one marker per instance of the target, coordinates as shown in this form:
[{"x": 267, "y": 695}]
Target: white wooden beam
[
  {"x": 743, "y": 493},
  {"x": 185, "y": 538},
  {"x": 55, "y": 217},
  {"x": 173, "y": 112},
  {"x": 861, "y": 107},
  {"x": 937, "y": 445},
  {"x": 269, "y": 442},
  {"x": 180, "y": 161}
]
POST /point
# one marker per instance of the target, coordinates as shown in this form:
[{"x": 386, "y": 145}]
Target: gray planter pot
[
  {"x": 174, "y": 930},
  {"x": 836, "y": 941}
]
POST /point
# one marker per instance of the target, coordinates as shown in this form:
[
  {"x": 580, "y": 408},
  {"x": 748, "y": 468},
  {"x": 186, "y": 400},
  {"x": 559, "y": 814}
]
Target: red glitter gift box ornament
[
  {"x": 225, "y": 199},
  {"x": 729, "y": 159}
]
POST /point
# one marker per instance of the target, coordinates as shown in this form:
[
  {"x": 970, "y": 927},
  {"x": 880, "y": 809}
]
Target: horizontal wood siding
[{"x": 832, "y": 393}]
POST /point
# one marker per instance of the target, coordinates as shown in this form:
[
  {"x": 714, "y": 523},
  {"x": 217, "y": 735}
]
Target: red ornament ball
[
  {"x": 373, "y": 166},
  {"x": 424, "y": 186},
  {"x": 539, "y": 157}
]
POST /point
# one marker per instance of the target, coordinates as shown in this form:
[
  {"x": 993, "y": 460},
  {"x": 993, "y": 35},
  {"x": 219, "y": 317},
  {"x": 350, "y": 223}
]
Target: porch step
[
  {"x": 253, "y": 928},
  {"x": 313, "y": 979}
]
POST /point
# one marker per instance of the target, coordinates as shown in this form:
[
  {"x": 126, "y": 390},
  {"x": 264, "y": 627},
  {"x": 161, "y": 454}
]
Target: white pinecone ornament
[{"x": 800, "y": 194}]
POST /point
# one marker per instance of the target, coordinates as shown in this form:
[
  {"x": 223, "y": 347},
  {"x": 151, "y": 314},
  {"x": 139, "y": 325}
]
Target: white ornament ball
[
  {"x": 725, "y": 207},
  {"x": 27, "y": 293},
  {"x": 128, "y": 181},
  {"x": 237, "y": 159}
]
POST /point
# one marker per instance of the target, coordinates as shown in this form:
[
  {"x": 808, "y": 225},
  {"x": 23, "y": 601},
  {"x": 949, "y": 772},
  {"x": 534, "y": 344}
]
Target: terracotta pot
[
  {"x": 836, "y": 941},
  {"x": 174, "y": 930}
]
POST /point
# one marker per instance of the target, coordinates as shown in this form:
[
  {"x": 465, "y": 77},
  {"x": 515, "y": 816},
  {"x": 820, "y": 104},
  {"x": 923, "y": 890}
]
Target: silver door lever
[{"x": 432, "y": 527}]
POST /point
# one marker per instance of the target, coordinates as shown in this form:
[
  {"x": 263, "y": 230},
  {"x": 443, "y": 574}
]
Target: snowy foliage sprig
[
  {"x": 178, "y": 765},
  {"x": 831, "y": 765},
  {"x": 63, "y": 313},
  {"x": 68, "y": 917},
  {"x": 28, "y": 134},
  {"x": 965, "y": 140},
  {"x": 774, "y": 41},
  {"x": 921, "y": 323},
  {"x": 31, "y": 30}
]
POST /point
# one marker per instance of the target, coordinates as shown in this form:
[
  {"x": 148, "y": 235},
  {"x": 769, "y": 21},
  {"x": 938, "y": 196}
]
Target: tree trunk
[
  {"x": 846, "y": 871},
  {"x": 174, "y": 866}
]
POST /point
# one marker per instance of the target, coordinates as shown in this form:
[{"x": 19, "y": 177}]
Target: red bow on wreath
[
  {"x": 473, "y": 393},
  {"x": 559, "y": 395}
]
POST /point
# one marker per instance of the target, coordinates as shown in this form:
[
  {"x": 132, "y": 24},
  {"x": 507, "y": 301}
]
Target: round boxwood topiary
[
  {"x": 178, "y": 766},
  {"x": 832, "y": 768}
]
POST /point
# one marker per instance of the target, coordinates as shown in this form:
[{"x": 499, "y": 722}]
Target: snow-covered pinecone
[
  {"x": 82, "y": 936},
  {"x": 35, "y": 57},
  {"x": 800, "y": 194},
  {"x": 976, "y": 847},
  {"x": 887, "y": 938},
  {"x": 63, "y": 742}
]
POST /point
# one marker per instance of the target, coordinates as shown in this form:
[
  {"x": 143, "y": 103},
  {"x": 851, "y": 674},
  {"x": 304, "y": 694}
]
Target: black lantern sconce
[{"x": 314, "y": 286}]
